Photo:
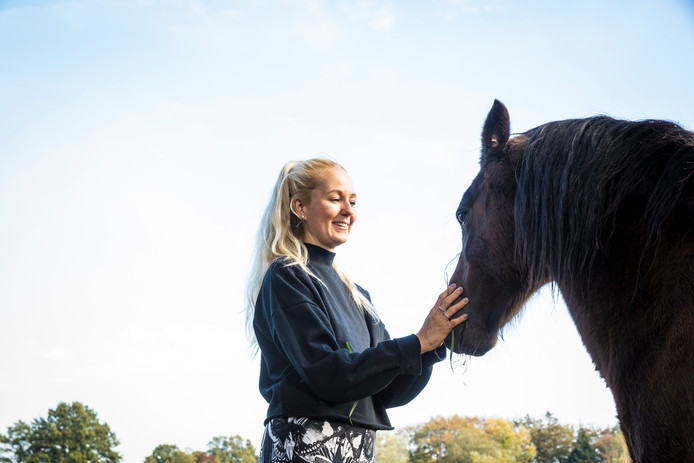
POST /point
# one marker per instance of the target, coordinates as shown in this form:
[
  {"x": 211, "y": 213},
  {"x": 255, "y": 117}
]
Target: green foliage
[
  {"x": 166, "y": 453},
  {"x": 202, "y": 457},
  {"x": 583, "y": 450},
  {"x": 552, "y": 440},
  {"x": 70, "y": 434},
  {"x": 15, "y": 446},
  {"x": 232, "y": 450},
  {"x": 470, "y": 440},
  {"x": 611, "y": 446},
  {"x": 391, "y": 447},
  {"x": 220, "y": 449},
  {"x": 73, "y": 434}
]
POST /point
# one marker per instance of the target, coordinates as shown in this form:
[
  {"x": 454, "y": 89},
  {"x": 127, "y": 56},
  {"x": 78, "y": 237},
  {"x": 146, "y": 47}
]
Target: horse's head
[{"x": 489, "y": 268}]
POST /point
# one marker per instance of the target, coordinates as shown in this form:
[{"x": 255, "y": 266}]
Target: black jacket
[{"x": 303, "y": 329}]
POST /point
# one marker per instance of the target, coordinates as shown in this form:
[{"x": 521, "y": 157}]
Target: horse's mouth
[
  {"x": 455, "y": 337},
  {"x": 462, "y": 341}
]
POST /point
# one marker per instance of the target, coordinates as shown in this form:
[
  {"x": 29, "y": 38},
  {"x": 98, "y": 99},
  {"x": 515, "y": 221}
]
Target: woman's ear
[{"x": 298, "y": 208}]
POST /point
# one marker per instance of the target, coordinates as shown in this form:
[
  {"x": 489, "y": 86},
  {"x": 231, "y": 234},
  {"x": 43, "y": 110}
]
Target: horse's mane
[{"x": 577, "y": 177}]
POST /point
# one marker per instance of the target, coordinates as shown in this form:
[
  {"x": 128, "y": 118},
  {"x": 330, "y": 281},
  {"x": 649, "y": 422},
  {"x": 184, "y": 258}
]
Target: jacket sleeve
[
  {"x": 406, "y": 387},
  {"x": 303, "y": 332}
]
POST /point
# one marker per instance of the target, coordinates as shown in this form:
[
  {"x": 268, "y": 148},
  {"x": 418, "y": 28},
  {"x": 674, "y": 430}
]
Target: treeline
[
  {"x": 220, "y": 450},
  {"x": 459, "y": 439},
  {"x": 72, "y": 433}
]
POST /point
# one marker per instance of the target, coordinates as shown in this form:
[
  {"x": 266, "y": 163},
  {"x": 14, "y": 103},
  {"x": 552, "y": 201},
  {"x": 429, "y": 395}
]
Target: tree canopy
[
  {"x": 552, "y": 440},
  {"x": 469, "y": 440},
  {"x": 167, "y": 453},
  {"x": 457, "y": 439},
  {"x": 232, "y": 449},
  {"x": 220, "y": 449},
  {"x": 71, "y": 433}
]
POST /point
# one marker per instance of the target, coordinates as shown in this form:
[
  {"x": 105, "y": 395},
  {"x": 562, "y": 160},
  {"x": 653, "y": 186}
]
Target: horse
[{"x": 602, "y": 210}]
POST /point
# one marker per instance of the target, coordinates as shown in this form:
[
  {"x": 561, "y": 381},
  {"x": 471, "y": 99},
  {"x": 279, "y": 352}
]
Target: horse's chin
[{"x": 466, "y": 344}]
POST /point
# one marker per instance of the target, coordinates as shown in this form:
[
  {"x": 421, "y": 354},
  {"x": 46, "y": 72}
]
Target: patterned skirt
[{"x": 315, "y": 440}]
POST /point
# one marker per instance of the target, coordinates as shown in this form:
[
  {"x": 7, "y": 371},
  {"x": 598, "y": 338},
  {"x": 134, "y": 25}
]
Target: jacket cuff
[
  {"x": 434, "y": 356},
  {"x": 410, "y": 357}
]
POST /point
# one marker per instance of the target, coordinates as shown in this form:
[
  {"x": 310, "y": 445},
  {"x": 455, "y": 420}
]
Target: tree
[
  {"x": 471, "y": 440},
  {"x": 232, "y": 450},
  {"x": 15, "y": 446},
  {"x": 166, "y": 453},
  {"x": 611, "y": 446},
  {"x": 552, "y": 441},
  {"x": 430, "y": 439},
  {"x": 391, "y": 447},
  {"x": 514, "y": 441},
  {"x": 202, "y": 457},
  {"x": 70, "y": 434},
  {"x": 584, "y": 451}
]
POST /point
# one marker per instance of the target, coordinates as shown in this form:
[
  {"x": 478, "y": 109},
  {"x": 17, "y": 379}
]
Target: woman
[{"x": 329, "y": 369}]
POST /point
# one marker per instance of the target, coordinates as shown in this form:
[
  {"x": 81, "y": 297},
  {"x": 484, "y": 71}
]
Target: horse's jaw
[{"x": 480, "y": 333}]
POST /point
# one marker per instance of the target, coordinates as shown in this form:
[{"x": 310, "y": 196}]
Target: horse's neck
[
  {"x": 640, "y": 339},
  {"x": 626, "y": 307}
]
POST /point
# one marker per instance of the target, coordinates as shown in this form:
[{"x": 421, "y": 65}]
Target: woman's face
[{"x": 330, "y": 212}]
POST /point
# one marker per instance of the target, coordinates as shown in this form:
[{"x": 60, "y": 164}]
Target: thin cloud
[{"x": 377, "y": 15}]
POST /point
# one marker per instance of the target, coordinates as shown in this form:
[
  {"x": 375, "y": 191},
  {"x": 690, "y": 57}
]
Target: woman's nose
[{"x": 347, "y": 208}]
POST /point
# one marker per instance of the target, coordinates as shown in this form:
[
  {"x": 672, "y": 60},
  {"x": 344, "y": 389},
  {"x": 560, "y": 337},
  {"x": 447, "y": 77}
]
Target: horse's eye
[{"x": 460, "y": 215}]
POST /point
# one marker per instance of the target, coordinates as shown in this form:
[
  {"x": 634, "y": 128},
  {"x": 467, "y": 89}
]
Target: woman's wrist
[{"x": 423, "y": 344}]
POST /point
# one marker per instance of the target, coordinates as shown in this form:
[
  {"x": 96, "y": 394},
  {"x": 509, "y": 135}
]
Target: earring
[{"x": 303, "y": 217}]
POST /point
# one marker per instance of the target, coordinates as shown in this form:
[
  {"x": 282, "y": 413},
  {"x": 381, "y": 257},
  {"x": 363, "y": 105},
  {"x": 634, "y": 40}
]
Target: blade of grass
[
  {"x": 354, "y": 405},
  {"x": 352, "y": 411}
]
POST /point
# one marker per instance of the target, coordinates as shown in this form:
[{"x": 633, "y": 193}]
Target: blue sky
[{"x": 139, "y": 141}]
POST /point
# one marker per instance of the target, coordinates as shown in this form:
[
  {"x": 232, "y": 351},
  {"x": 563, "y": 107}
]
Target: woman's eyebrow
[{"x": 337, "y": 190}]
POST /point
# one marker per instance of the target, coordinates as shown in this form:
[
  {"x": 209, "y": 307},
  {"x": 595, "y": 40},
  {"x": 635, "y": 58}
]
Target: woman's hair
[{"x": 281, "y": 230}]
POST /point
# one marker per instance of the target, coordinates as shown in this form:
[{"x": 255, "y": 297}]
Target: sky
[{"x": 140, "y": 139}]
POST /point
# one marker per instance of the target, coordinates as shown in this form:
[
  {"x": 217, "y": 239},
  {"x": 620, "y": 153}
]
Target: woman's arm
[
  {"x": 404, "y": 388},
  {"x": 305, "y": 336}
]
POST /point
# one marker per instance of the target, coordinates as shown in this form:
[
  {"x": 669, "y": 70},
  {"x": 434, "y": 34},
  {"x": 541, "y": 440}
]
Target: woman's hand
[{"x": 440, "y": 321}]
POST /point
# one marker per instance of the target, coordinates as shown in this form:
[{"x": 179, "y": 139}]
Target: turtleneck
[
  {"x": 319, "y": 256},
  {"x": 344, "y": 312}
]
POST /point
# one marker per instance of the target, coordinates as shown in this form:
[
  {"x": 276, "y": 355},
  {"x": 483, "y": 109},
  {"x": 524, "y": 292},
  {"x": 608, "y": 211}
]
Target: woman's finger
[
  {"x": 452, "y": 296},
  {"x": 452, "y": 310},
  {"x": 457, "y": 306},
  {"x": 457, "y": 321},
  {"x": 442, "y": 297}
]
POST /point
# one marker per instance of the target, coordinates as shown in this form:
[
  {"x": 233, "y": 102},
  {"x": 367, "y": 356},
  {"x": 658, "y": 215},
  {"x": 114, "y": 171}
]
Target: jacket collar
[{"x": 319, "y": 256}]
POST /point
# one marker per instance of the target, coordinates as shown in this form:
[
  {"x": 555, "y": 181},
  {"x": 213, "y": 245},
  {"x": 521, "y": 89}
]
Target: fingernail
[
  {"x": 460, "y": 289},
  {"x": 451, "y": 285},
  {"x": 464, "y": 316},
  {"x": 465, "y": 300}
]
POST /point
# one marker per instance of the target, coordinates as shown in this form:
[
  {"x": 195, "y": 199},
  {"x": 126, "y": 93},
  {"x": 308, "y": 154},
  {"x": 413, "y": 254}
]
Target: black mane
[{"x": 590, "y": 171}]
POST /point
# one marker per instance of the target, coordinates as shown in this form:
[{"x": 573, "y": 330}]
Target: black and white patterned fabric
[{"x": 312, "y": 440}]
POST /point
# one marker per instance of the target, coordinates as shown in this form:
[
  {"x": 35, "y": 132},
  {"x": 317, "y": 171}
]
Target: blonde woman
[{"x": 329, "y": 369}]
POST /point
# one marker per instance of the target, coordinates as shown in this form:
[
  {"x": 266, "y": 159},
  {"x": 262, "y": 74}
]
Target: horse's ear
[{"x": 497, "y": 128}]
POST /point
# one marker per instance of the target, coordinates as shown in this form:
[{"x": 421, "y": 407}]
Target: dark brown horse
[{"x": 604, "y": 210}]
